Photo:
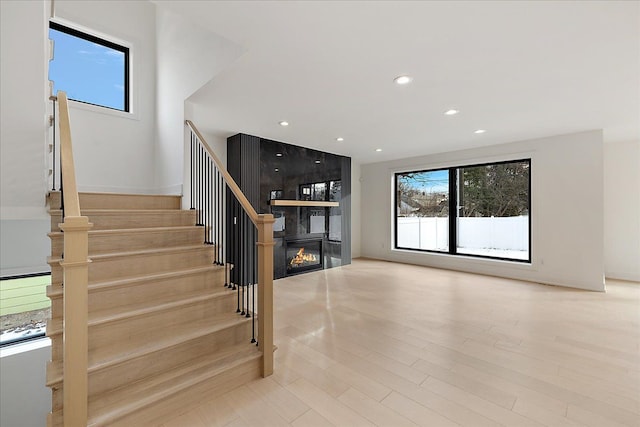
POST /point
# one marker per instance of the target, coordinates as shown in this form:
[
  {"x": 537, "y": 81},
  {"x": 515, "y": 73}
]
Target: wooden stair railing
[
  {"x": 75, "y": 279},
  {"x": 214, "y": 193}
]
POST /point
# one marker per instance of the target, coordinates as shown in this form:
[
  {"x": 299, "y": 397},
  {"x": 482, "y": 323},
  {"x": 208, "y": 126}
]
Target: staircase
[{"x": 163, "y": 332}]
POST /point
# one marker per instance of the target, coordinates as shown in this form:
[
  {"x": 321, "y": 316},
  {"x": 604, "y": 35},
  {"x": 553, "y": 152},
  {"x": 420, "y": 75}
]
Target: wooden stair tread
[
  {"x": 132, "y": 230},
  {"x": 196, "y": 330},
  {"x": 56, "y": 291},
  {"x": 127, "y": 254},
  {"x": 116, "y": 405},
  {"x": 142, "y": 201},
  {"x": 54, "y": 326},
  {"x": 105, "y": 211}
]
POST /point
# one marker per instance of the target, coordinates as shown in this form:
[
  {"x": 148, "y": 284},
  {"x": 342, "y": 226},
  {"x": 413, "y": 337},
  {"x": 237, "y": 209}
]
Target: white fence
[
  {"x": 423, "y": 233},
  {"x": 432, "y": 233}
]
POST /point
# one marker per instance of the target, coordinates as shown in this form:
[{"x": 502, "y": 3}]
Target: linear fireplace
[{"x": 303, "y": 254}]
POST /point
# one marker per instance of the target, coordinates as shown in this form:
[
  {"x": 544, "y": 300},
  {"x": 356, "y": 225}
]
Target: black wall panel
[{"x": 261, "y": 166}]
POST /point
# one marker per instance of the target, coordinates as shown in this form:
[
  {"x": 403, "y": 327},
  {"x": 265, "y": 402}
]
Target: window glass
[
  {"x": 89, "y": 69},
  {"x": 422, "y": 205},
  {"x": 493, "y": 205}
]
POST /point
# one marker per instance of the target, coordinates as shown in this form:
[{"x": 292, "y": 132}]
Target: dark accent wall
[
  {"x": 261, "y": 166},
  {"x": 346, "y": 207}
]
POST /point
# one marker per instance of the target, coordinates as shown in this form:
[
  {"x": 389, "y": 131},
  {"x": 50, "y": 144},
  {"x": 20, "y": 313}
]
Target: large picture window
[
  {"x": 89, "y": 69},
  {"x": 477, "y": 210}
]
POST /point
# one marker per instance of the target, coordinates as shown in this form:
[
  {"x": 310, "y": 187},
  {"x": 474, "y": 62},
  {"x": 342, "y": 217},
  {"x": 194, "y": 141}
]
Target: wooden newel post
[
  {"x": 265, "y": 291},
  {"x": 75, "y": 267}
]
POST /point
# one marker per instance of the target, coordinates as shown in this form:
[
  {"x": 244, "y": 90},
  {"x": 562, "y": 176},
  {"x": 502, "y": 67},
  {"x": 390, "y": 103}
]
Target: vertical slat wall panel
[
  {"x": 346, "y": 210},
  {"x": 243, "y": 164}
]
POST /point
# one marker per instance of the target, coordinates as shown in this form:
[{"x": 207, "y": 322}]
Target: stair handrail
[
  {"x": 75, "y": 266},
  {"x": 70, "y": 194},
  {"x": 227, "y": 177},
  {"x": 264, "y": 242}
]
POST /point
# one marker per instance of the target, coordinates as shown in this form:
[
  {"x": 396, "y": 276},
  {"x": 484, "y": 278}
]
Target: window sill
[
  {"x": 521, "y": 265},
  {"x": 25, "y": 346},
  {"x": 77, "y": 105}
]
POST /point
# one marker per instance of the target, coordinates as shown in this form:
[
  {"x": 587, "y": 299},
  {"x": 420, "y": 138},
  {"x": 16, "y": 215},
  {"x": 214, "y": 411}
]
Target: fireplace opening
[{"x": 303, "y": 255}]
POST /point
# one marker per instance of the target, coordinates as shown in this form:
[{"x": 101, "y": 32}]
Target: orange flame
[{"x": 301, "y": 257}]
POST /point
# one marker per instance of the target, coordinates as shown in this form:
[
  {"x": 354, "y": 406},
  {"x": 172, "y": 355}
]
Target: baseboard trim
[{"x": 628, "y": 277}]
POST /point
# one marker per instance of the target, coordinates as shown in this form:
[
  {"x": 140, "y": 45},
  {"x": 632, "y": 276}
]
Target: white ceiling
[{"x": 518, "y": 69}]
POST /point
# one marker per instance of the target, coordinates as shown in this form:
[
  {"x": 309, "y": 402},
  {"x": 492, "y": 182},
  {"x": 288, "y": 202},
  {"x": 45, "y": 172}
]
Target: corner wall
[
  {"x": 23, "y": 127},
  {"x": 188, "y": 56},
  {"x": 567, "y": 210},
  {"x": 622, "y": 210},
  {"x": 114, "y": 151}
]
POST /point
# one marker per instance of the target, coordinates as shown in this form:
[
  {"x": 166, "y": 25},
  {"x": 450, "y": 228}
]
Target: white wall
[
  {"x": 188, "y": 56},
  {"x": 622, "y": 210},
  {"x": 567, "y": 178},
  {"x": 200, "y": 117},
  {"x": 115, "y": 151},
  {"x": 23, "y": 184},
  {"x": 25, "y": 400}
]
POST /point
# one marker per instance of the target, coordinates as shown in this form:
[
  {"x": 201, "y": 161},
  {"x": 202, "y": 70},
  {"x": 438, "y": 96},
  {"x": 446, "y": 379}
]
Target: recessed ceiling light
[
  {"x": 277, "y": 170},
  {"x": 451, "y": 112},
  {"x": 339, "y": 139},
  {"x": 402, "y": 80},
  {"x": 278, "y": 154},
  {"x": 283, "y": 123},
  {"x": 378, "y": 149},
  {"x": 317, "y": 162},
  {"x": 480, "y": 131}
]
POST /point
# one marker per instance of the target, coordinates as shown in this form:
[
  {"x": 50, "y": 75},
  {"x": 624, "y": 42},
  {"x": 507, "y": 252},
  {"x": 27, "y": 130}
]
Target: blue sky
[
  {"x": 432, "y": 181},
  {"x": 87, "y": 71}
]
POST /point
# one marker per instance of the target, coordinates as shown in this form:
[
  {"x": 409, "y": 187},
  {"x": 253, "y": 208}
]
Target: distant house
[{"x": 408, "y": 206}]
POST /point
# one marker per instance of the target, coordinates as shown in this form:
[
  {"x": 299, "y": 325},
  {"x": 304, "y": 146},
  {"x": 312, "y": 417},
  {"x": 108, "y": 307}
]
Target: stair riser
[
  {"x": 123, "y": 336},
  {"x": 148, "y": 293},
  {"x": 117, "y": 220},
  {"x": 109, "y": 379},
  {"x": 111, "y": 268},
  {"x": 184, "y": 401},
  {"x": 119, "y": 201},
  {"x": 134, "y": 240}
]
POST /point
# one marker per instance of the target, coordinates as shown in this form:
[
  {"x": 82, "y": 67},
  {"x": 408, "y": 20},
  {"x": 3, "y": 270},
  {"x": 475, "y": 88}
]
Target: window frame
[
  {"x": 454, "y": 211},
  {"x": 126, "y": 50}
]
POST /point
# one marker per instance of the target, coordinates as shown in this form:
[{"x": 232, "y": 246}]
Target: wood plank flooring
[{"x": 383, "y": 344}]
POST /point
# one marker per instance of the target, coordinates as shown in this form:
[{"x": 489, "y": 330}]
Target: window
[
  {"x": 89, "y": 69},
  {"x": 24, "y": 307},
  {"x": 478, "y": 210}
]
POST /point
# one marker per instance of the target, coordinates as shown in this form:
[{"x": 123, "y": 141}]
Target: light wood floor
[{"x": 383, "y": 344}]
